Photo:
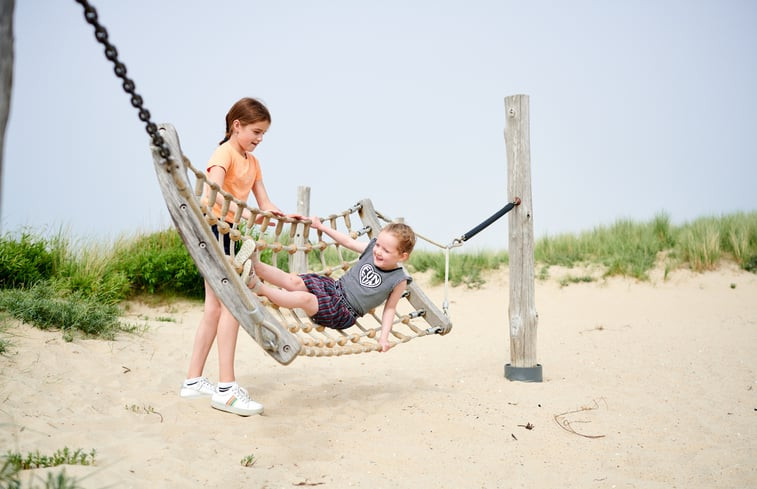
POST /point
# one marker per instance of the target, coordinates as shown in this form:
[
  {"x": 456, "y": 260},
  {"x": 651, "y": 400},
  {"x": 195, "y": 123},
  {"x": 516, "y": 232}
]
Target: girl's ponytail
[{"x": 228, "y": 132}]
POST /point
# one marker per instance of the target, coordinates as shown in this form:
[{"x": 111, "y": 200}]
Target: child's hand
[
  {"x": 315, "y": 223},
  {"x": 385, "y": 345}
]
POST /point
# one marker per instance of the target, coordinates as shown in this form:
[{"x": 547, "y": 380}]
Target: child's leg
[
  {"x": 206, "y": 333},
  {"x": 279, "y": 278},
  {"x": 226, "y": 339},
  {"x": 289, "y": 298},
  {"x": 292, "y": 294}
]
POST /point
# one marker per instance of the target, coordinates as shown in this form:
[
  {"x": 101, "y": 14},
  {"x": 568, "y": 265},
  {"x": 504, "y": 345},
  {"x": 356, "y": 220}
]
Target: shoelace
[{"x": 242, "y": 394}]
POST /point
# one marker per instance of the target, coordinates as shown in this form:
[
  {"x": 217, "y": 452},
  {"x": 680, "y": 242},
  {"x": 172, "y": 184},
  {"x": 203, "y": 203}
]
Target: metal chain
[{"x": 90, "y": 14}]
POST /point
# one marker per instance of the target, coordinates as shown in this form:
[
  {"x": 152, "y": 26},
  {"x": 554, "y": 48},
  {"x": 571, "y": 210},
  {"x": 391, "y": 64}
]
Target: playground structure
[{"x": 283, "y": 333}]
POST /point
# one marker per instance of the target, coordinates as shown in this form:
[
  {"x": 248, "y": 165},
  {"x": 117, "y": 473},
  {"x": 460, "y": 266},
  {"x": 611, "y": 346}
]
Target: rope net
[{"x": 290, "y": 245}]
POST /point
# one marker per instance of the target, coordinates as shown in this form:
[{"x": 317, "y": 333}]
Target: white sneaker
[
  {"x": 235, "y": 400},
  {"x": 244, "y": 254},
  {"x": 201, "y": 388}
]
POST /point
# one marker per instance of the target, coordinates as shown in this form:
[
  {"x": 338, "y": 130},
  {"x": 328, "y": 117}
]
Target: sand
[{"x": 646, "y": 385}]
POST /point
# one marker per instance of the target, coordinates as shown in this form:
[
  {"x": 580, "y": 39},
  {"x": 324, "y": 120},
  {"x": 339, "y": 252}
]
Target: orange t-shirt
[{"x": 241, "y": 174}]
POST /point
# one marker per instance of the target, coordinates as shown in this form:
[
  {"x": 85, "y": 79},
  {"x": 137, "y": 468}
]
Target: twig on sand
[
  {"x": 306, "y": 482},
  {"x": 564, "y": 423}
]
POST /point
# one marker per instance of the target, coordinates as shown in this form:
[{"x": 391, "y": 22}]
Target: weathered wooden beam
[
  {"x": 522, "y": 312},
  {"x": 6, "y": 75},
  {"x": 298, "y": 262}
]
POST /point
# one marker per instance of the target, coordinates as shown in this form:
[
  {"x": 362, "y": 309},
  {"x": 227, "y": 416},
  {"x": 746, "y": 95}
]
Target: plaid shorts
[{"x": 333, "y": 310}]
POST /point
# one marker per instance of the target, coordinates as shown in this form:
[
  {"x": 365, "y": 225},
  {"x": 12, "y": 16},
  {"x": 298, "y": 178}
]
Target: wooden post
[
  {"x": 6, "y": 75},
  {"x": 523, "y": 316},
  {"x": 298, "y": 262}
]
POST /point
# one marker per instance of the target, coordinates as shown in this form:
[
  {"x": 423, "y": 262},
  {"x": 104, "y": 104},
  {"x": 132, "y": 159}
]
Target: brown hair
[
  {"x": 404, "y": 234},
  {"x": 247, "y": 111}
]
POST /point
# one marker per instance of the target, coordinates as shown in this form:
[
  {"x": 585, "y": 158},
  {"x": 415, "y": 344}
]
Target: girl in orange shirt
[{"x": 237, "y": 171}]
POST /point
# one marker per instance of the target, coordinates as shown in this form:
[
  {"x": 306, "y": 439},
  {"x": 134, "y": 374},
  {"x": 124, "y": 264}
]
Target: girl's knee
[
  {"x": 212, "y": 310},
  {"x": 297, "y": 283}
]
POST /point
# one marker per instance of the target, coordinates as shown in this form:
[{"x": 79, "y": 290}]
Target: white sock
[{"x": 225, "y": 386}]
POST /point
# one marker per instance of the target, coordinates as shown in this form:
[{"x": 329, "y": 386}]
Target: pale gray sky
[{"x": 636, "y": 108}]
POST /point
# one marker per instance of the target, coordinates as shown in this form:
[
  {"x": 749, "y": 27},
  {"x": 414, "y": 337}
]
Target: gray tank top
[{"x": 365, "y": 285}]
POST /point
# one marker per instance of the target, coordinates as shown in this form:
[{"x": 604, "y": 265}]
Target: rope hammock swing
[{"x": 283, "y": 333}]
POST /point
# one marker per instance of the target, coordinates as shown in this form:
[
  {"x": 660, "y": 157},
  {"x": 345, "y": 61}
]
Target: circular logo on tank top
[{"x": 369, "y": 277}]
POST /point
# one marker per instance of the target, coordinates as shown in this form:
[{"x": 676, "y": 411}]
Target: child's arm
[
  {"x": 265, "y": 203},
  {"x": 261, "y": 197},
  {"x": 338, "y": 236},
  {"x": 387, "y": 318}
]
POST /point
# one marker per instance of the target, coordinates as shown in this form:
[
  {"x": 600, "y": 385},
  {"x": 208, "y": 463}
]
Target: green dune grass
[{"x": 58, "y": 283}]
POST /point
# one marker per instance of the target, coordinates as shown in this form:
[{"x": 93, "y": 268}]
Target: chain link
[{"x": 90, "y": 14}]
